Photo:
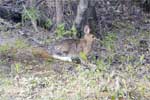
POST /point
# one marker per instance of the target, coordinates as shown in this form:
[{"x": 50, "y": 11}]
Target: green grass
[
  {"x": 20, "y": 44},
  {"x": 109, "y": 41},
  {"x": 4, "y": 48},
  {"x": 61, "y": 31}
]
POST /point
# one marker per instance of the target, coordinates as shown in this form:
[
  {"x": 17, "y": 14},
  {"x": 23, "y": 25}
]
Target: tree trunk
[
  {"x": 59, "y": 12},
  {"x": 82, "y": 7},
  {"x": 86, "y": 14}
]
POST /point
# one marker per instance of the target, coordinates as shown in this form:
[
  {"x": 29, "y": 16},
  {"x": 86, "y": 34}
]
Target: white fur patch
[{"x": 62, "y": 58}]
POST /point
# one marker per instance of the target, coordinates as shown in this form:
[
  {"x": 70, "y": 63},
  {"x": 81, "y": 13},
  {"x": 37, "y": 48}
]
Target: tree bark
[
  {"x": 59, "y": 12},
  {"x": 82, "y": 7},
  {"x": 86, "y": 14}
]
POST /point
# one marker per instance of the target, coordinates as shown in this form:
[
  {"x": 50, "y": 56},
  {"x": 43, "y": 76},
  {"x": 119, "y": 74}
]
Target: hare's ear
[{"x": 86, "y": 29}]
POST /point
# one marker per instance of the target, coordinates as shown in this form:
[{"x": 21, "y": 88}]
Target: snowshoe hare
[
  {"x": 73, "y": 47},
  {"x": 69, "y": 48}
]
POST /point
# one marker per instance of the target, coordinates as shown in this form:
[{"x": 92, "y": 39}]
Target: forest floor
[{"x": 122, "y": 66}]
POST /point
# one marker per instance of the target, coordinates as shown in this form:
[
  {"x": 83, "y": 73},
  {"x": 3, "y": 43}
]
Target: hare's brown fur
[{"x": 72, "y": 47}]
